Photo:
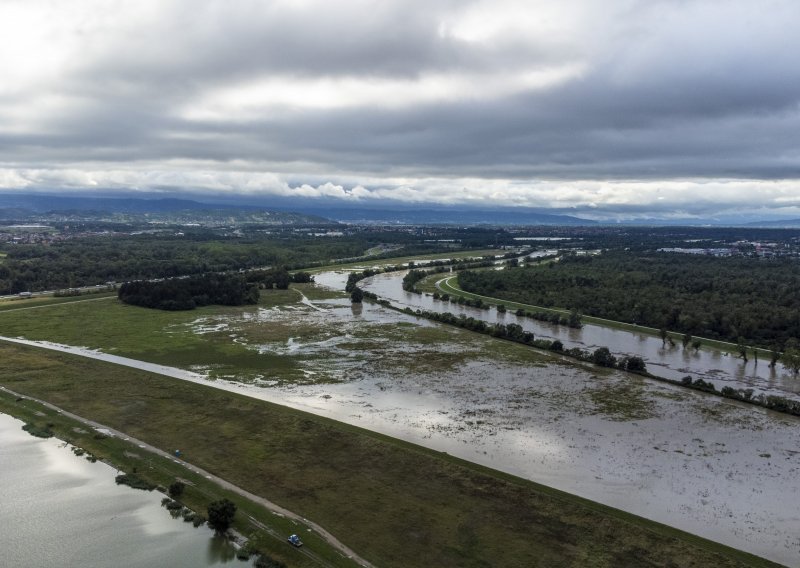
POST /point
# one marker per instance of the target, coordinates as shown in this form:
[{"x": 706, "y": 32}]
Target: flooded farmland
[
  {"x": 707, "y": 465},
  {"x": 710, "y": 466},
  {"x": 719, "y": 367}
]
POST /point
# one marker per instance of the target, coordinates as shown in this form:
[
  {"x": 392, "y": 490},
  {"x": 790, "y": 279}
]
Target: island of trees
[{"x": 189, "y": 293}]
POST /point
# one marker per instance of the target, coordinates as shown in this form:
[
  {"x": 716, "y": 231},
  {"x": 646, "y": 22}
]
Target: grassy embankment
[
  {"x": 395, "y": 503},
  {"x": 450, "y": 286},
  {"x": 266, "y": 531},
  {"x": 394, "y": 261},
  {"x": 37, "y": 301}
]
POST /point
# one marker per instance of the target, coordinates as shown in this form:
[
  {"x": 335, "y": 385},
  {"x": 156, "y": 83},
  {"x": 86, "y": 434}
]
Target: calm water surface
[
  {"x": 719, "y": 367},
  {"x": 58, "y": 509}
]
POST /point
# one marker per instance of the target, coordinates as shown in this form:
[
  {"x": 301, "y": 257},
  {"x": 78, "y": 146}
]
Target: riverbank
[
  {"x": 388, "y": 498},
  {"x": 265, "y": 524},
  {"x": 447, "y": 286},
  {"x": 62, "y": 507}
]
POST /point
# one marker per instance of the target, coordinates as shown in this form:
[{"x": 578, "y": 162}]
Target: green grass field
[
  {"x": 369, "y": 262},
  {"x": 265, "y": 530},
  {"x": 323, "y": 346},
  {"x": 395, "y": 503},
  {"x": 26, "y": 303}
]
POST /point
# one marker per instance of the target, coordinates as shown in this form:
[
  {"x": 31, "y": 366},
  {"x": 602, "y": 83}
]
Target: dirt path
[
  {"x": 269, "y": 505},
  {"x": 50, "y": 305}
]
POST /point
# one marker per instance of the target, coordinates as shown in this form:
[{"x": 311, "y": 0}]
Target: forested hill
[{"x": 719, "y": 298}]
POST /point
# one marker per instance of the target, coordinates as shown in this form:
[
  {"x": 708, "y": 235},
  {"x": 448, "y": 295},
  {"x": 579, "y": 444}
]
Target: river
[
  {"x": 719, "y": 367},
  {"x": 59, "y": 509},
  {"x": 717, "y": 468}
]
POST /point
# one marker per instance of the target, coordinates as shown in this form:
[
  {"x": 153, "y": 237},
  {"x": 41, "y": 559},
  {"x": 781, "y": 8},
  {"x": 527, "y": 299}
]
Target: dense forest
[
  {"x": 189, "y": 293},
  {"x": 92, "y": 260},
  {"x": 719, "y": 298},
  {"x": 96, "y": 260}
]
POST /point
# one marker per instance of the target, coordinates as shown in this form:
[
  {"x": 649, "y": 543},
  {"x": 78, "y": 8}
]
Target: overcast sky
[{"x": 613, "y": 108}]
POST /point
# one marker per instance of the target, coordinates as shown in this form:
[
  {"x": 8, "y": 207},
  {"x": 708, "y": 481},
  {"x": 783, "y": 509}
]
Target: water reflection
[
  {"x": 672, "y": 362},
  {"x": 220, "y": 551},
  {"x": 58, "y": 509}
]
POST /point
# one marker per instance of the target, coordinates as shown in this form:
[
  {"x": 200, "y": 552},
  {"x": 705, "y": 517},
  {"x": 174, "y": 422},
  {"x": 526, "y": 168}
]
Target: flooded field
[
  {"x": 719, "y": 367},
  {"x": 710, "y": 466}
]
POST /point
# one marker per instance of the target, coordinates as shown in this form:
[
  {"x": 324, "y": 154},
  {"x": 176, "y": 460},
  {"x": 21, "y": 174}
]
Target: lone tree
[
  {"x": 356, "y": 296},
  {"x": 774, "y": 355},
  {"x": 635, "y": 364},
  {"x": 686, "y": 340},
  {"x": 603, "y": 357},
  {"x": 176, "y": 489},
  {"x": 741, "y": 347},
  {"x": 574, "y": 319},
  {"x": 791, "y": 356},
  {"x": 220, "y": 515}
]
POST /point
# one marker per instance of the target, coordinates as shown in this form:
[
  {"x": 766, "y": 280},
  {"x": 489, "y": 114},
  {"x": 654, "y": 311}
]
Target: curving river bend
[{"x": 719, "y": 367}]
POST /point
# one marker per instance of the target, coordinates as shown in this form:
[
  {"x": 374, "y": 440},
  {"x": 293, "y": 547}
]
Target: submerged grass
[
  {"x": 279, "y": 340},
  {"x": 622, "y": 400},
  {"x": 395, "y": 503}
]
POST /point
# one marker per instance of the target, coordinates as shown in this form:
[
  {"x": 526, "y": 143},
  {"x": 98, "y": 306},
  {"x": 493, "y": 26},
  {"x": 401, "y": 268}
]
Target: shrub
[
  {"x": 38, "y": 431},
  {"x": 221, "y": 514},
  {"x": 264, "y": 561},
  {"x": 176, "y": 489},
  {"x": 134, "y": 481}
]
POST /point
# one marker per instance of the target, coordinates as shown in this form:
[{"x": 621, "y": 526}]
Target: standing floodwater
[
  {"x": 722, "y": 369},
  {"x": 58, "y": 509}
]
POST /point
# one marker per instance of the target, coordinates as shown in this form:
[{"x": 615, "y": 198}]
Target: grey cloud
[{"x": 669, "y": 90}]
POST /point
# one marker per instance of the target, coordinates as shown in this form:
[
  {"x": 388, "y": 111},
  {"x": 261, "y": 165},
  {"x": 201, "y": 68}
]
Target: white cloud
[{"x": 592, "y": 199}]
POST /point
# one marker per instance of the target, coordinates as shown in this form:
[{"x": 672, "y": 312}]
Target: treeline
[
  {"x": 189, "y": 293},
  {"x": 410, "y": 280},
  {"x": 279, "y": 278},
  {"x": 572, "y": 319},
  {"x": 514, "y": 332},
  {"x": 718, "y": 298},
  {"x": 600, "y": 356},
  {"x": 94, "y": 260}
]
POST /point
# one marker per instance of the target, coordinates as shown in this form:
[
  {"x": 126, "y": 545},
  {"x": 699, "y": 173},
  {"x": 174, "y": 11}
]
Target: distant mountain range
[
  {"x": 781, "y": 224},
  {"x": 231, "y": 209},
  {"x": 61, "y": 208},
  {"x": 448, "y": 216}
]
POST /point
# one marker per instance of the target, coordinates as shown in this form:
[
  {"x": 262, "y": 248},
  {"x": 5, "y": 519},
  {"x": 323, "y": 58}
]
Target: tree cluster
[
  {"x": 93, "y": 260},
  {"x": 718, "y": 298},
  {"x": 188, "y": 293}
]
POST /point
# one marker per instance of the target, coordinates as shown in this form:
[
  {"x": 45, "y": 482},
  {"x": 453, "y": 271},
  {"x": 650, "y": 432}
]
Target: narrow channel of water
[{"x": 59, "y": 509}]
